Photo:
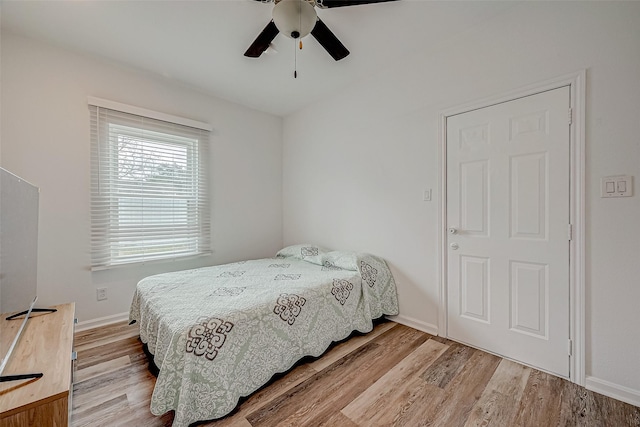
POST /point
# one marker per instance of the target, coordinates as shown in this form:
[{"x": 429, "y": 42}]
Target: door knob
[
  {"x": 453, "y": 230},
  {"x": 454, "y": 246}
]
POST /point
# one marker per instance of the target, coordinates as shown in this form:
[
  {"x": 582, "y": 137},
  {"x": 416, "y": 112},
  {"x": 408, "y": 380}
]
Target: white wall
[
  {"x": 45, "y": 139},
  {"x": 356, "y": 164}
]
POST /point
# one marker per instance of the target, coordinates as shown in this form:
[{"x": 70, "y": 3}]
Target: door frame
[{"x": 577, "y": 195}]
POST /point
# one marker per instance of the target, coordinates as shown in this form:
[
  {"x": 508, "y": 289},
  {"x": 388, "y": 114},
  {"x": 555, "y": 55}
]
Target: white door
[{"x": 508, "y": 229}]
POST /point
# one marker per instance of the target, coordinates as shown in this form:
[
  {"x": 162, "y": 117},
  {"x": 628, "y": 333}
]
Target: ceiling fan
[{"x": 297, "y": 18}]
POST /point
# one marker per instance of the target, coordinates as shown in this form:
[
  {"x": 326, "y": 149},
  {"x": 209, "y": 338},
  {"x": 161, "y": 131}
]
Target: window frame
[{"x": 108, "y": 241}]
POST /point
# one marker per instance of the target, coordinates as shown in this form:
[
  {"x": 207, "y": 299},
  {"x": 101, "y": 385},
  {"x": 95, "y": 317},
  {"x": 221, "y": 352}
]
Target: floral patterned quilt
[{"x": 220, "y": 333}]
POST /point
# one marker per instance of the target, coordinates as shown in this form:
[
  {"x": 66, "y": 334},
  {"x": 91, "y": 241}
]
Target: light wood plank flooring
[{"x": 393, "y": 376}]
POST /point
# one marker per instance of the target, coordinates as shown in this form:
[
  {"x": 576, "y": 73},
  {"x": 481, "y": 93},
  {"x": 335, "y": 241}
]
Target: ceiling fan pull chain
[
  {"x": 295, "y": 61},
  {"x": 295, "y": 51}
]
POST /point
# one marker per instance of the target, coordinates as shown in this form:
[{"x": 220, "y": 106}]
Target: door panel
[
  {"x": 474, "y": 197},
  {"x": 529, "y": 196},
  {"x": 529, "y": 303},
  {"x": 474, "y": 288},
  {"x": 508, "y": 214}
]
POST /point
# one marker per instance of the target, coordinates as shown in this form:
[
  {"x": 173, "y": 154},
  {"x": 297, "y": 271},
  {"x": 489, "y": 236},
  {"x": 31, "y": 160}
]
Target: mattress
[{"x": 219, "y": 333}]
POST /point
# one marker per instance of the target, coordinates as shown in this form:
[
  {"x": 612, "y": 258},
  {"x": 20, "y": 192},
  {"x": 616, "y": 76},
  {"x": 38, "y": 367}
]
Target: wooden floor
[{"x": 393, "y": 376}]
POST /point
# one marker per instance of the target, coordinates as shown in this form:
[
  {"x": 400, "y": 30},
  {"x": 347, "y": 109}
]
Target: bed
[{"x": 219, "y": 333}]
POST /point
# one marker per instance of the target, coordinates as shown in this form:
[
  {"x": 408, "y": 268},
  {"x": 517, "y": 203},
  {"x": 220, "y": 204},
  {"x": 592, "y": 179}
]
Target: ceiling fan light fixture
[{"x": 294, "y": 18}]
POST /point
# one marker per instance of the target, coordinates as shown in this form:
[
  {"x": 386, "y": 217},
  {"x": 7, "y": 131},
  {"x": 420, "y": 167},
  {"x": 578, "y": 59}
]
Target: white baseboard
[
  {"x": 101, "y": 321},
  {"x": 615, "y": 391},
  {"x": 415, "y": 324}
]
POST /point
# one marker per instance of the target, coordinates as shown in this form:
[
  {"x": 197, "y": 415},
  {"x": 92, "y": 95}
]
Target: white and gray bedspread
[{"x": 220, "y": 333}]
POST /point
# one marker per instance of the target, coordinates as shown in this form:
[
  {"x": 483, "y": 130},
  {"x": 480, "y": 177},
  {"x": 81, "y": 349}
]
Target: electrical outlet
[{"x": 101, "y": 294}]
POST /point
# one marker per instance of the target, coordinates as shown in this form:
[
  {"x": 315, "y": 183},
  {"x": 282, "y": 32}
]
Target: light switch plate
[{"x": 616, "y": 186}]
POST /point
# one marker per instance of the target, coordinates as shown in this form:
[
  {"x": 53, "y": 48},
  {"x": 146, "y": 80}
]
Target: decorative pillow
[
  {"x": 341, "y": 260},
  {"x": 306, "y": 252}
]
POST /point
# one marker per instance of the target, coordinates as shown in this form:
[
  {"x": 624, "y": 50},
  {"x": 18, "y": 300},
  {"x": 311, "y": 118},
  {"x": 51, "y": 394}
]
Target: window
[{"x": 149, "y": 196}]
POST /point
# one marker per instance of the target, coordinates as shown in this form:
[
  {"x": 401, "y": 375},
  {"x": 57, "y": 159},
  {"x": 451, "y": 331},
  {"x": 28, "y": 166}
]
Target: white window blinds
[{"x": 149, "y": 196}]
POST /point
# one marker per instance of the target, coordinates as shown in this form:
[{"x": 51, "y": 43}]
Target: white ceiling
[{"x": 201, "y": 43}]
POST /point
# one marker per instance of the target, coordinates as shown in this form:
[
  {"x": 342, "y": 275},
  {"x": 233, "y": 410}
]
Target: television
[
  {"x": 18, "y": 261},
  {"x": 18, "y": 242}
]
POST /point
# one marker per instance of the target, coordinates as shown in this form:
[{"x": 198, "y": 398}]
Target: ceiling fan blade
[
  {"x": 329, "y": 41},
  {"x": 261, "y": 43},
  {"x": 326, "y": 4}
]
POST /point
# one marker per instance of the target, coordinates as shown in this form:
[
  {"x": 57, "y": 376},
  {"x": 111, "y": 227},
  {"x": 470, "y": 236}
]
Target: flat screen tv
[{"x": 18, "y": 260}]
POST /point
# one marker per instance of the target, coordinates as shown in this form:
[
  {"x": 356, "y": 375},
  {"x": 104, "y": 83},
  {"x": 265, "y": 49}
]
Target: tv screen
[{"x": 18, "y": 242}]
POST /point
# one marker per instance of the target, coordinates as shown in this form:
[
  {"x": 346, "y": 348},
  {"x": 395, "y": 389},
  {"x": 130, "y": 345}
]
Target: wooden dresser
[{"x": 46, "y": 346}]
